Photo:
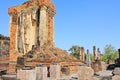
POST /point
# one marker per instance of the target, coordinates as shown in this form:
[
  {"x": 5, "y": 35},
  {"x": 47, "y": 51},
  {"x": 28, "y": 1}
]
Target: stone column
[
  {"x": 26, "y": 74},
  {"x": 88, "y": 60},
  {"x": 1, "y": 46},
  {"x": 82, "y": 54},
  {"x": 43, "y": 25},
  {"x": 50, "y": 25},
  {"x": 13, "y": 43},
  {"x": 98, "y": 54},
  {"x": 54, "y": 71},
  {"x": 94, "y": 52},
  {"x": 41, "y": 72},
  {"x": 119, "y": 53},
  {"x": 13, "y": 36}
]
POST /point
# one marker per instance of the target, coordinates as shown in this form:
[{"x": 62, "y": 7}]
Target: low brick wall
[{"x": 4, "y": 63}]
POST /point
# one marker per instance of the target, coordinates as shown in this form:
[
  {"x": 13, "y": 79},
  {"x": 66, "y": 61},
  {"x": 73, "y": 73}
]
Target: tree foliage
[
  {"x": 74, "y": 51},
  {"x": 92, "y": 57},
  {"x": 110, "y": 53}
]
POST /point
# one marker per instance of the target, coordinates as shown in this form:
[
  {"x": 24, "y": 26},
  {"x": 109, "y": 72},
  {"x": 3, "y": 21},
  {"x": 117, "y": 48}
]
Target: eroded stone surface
[
  {"x": 32, "y": 36},
  {"x": 116, "y": 71},
  {"x": 88, "y": 60},
  {"x": 85, "y": 73},
  {"x": 116, "y": 77},
  {"x": 26, "y": 74},
  {"x": 41, "y": 73},
  {"x": 4, "y": 52},
  {"x": 55, "y": 71}
]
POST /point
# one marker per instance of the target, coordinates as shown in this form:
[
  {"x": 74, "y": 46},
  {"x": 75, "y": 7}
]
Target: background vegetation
[{"x": 109, "y": 53}]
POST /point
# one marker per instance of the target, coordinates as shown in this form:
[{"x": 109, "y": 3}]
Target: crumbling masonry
[
  {"x": 32, "y": 37},
  {"x": 4, "y": 52}
]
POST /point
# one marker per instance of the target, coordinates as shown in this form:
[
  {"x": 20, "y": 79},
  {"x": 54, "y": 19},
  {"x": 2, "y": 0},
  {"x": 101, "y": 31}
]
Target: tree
[
  {"x": 74, "y": 51},
  {"x": 92, "y": 57},
  {"x": 109, "y": 53}
]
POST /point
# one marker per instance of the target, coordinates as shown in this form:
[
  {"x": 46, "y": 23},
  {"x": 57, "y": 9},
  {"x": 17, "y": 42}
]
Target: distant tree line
[{"x": 109, "y": 54}]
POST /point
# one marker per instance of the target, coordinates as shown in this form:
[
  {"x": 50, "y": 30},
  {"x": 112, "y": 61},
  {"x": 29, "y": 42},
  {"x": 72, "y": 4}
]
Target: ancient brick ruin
[
  {"x": 30, "y": 51},
  {"x": 32, "y": 38},
  {"x": 82, "y": 54},
  {"x": 97, "y": 63},
  {"x": 4, "y": 52}
]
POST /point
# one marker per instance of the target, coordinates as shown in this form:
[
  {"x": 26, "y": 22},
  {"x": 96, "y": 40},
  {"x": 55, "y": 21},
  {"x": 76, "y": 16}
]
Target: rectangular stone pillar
[
  {"x": 26, "y": 74},
  {"x": 98, "y": 54},
  {"x": 54, "y": 71},
  {"x": 119, "y": 53},
  {"x": 88, "y": 60},
  {"x": 94, "y": 52},
  {"x": 82, "y": 54},
  {"x": 13, "y": 43},
  {"x": 1, "y": 44},
  {"x": 41, "y": 73},
  {"x": 43, "y": 26}
]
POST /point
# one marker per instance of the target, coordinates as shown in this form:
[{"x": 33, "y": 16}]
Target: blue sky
[{"x": 78, "y": 22}]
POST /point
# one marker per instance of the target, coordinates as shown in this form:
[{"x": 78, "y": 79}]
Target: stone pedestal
[
  {"x": 12, "y": 67},
  {"x": 54, "y": 71},
  {"x": 96, "y": 66},
  {"x": 41, "y": 73},
  {"x": 26, "y": 74},
  {"x": 85, "y": 73}
]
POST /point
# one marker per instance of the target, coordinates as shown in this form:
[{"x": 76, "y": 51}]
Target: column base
[{"x": 12, "y": 67}]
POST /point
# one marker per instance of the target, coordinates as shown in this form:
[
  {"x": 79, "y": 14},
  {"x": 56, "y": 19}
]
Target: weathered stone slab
[
  {"x": 54, "y": 71},
  {"x": 26, "y": 74},
  {"x": 116, "y": 77},
  {"x": 85, "y": 73},
  {"x": 103, "y": 65},
  {"x": 9, "y": 77},
  {"x": 96, "y": 66},
  {"x": 116, "y": 71},
  {"x": 41, "y": 73}
]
